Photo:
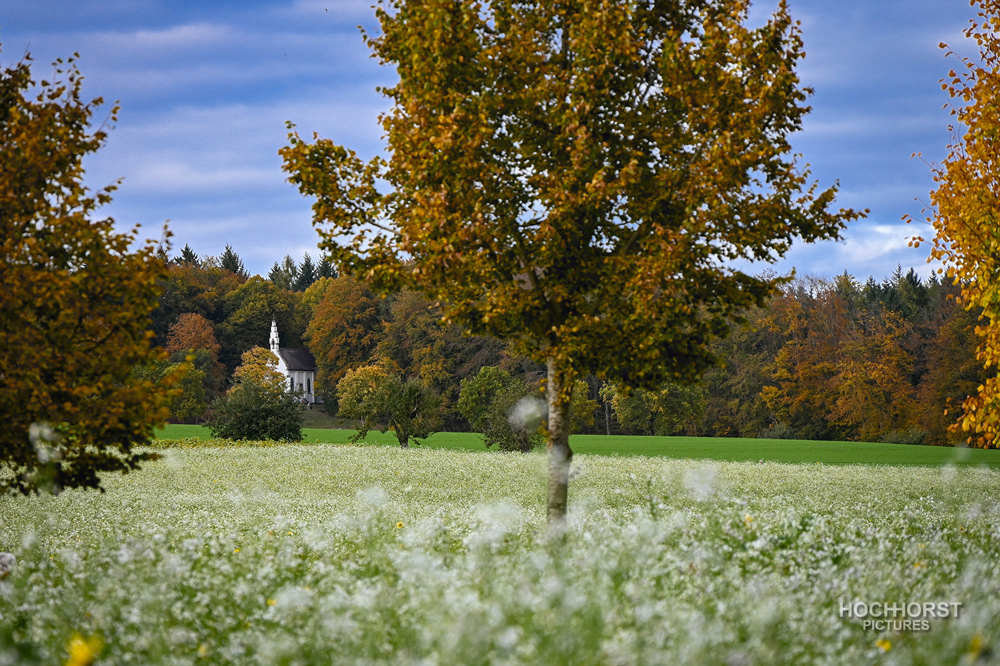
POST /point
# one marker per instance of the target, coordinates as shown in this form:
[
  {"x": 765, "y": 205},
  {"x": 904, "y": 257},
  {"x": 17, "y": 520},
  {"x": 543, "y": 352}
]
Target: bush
[
  {"x": 912, "y": 436},
  {"x": 488, "y": 401},
  {"x": 250, "y": 411},
  {"x": 778, "y": 431}
]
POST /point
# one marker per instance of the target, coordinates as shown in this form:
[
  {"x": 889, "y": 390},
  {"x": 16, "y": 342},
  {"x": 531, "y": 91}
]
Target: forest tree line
[{"x": 825, "y": 359}]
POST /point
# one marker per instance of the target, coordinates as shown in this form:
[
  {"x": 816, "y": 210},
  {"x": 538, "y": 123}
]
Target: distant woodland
[{"x": 826, "y": 359}]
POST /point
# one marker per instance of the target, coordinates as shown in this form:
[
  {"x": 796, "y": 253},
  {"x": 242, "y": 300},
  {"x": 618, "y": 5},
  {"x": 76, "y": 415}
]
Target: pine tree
[
  {"x": 326, "y": 269},
  {"x": 232, "y": 262},
  {"x": 285, "y": 274},
  {"x": 307, "y": 273},
  {"x": 188, "y": 256}
]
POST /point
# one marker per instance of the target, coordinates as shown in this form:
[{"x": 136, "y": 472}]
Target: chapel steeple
[{"x": 273, "y": 340}]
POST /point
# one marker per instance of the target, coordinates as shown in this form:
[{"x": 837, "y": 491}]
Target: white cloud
[
  {"x": 865, "y": 123},
  {"x": 206, "y": 89},
  {"x": 157, "y": 43},
  {"x": 215, "y": 172},
  {"x": 868, "y": 250},
  {"x": 175, "y": 177}
]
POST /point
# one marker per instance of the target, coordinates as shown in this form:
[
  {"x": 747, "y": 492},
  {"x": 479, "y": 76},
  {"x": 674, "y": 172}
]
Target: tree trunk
[
  {"x": 560, "y": 455},
  {"x": 607, "y": 416}
]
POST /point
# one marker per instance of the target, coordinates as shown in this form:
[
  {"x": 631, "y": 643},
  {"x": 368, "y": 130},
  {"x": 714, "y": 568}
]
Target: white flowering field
[{"x": 373, "y": 555}]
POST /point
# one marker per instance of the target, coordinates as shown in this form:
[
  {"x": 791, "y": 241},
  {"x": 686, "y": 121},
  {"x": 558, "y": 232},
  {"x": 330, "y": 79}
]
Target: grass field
[
  {"x": 320, "y": 554},
  {"x": 708, "y": 448}
]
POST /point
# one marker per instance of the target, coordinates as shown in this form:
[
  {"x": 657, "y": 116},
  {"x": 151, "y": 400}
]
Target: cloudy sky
[{"x": 206, "y": 88}]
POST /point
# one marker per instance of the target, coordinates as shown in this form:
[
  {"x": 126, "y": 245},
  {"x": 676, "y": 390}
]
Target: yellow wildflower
[
  {"x": 976, "y": 646},
  {"x": 399, "y": 525},
  {"x": 83, "y": 652},
  {"x": 883, "y": 644}
]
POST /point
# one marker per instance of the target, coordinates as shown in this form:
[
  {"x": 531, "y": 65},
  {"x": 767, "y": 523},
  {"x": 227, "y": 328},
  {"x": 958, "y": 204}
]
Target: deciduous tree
[
  {"x": 344, "y": 331},
  {"x": 250, "y": 309},
  {"x": 844, "y": 372},
  {"x": 192, "y": 289},
  {"x": 487, "y": 399},
  {"x": 75, "y": 299},
  {"x": 192, "y": 331},
  {"x": 384, "y": 401},
  {"x": 192, "y": 339},
  {"x": 190, "y": 403},
  {"x": 260, "y": 366},
  {"x": 573, "y": 176},
  {"x": 965, "y": 211},
  {"x": 675, "y": 409},
  {"x": 419, "y": 343}
]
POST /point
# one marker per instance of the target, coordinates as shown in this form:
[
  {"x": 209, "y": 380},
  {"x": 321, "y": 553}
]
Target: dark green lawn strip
[
  {"x": 712, "y": 448},
  {"x": 783, "y": 450}
]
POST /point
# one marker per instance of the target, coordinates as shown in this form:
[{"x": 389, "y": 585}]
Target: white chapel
[{"x": 297, "y": 365}]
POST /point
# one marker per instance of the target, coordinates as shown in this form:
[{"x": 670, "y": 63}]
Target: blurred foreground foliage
[
  {"x": 964, "y": 211},
  {"x": 76, "y": 298}
]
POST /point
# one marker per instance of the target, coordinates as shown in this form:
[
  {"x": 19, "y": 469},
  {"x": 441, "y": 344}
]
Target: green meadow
[{"x": 697, "y": 448}]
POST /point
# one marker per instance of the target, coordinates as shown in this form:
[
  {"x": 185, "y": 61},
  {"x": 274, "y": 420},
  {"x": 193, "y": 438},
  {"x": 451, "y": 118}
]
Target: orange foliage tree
[
  {"x": 260, "y": 367},
  {"x": 344, "y": 331},
  {"x": 572, "y": 177},
  {"x": 192, "y": 331},
  {"x": 193, "y": 335},
  {"x": 843, "y": 373},
  {"x": 75, "y": 299},
  {"x": 965, "y": 212}
]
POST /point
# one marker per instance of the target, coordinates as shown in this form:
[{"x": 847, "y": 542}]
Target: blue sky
[{"x": 206, "y": 87}]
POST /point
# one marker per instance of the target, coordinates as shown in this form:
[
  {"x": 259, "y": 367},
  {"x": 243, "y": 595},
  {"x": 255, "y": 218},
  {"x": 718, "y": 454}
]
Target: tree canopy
[
  {"x": 966, "y": 207},
  {"x": 233, "y": 263},
  {"x": 383, "y": 400},
  {"x": 75, "y": 301},
  {"x": 574, "y": 177},
  {"x": 344, "y": 331}
]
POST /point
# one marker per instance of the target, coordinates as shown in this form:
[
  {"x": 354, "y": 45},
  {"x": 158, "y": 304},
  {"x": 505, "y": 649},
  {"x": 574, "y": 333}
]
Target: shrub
[
  {"x": 778, "y": 431},
  {"x": 488, "y": 401},
  {"x": 913, "y": 436},
  {"x": 250, "y": 411}
]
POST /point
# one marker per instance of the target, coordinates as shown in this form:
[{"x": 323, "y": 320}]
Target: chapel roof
[{"x": 298, "y": 359}]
